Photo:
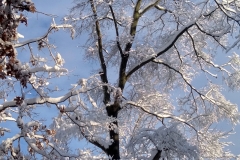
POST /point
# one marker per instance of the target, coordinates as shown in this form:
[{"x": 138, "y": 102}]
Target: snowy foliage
[{"x": 151, "y": 108}]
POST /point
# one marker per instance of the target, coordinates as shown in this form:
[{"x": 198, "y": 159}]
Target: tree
[{"x": 148, "y": 52}]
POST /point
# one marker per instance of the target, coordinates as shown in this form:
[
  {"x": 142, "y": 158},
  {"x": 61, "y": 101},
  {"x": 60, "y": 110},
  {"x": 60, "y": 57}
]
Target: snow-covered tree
[{"x": 157, "y": 93}]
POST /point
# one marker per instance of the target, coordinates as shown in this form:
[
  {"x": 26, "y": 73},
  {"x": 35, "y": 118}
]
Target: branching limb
[
  {"x": 41, "y": 100},
  {"x": 160, "y": 115},
  {"x": 35, "y": 147},
  {"x": 95, "y": 143},
  {"x": 183, "y": 77},
  {"x": 61, "y": 153},
  {"x": 165, "y": 47},
  {"x": 162, "y": 8},
  {"x": 224, "y": 10},
  {"x": 116, "y": 30},
  {"x": 150, "y": 6},
  {"x": 8, "y": 142},
  {"x": 136, "y": 16},
  {"x": 214, "y": 36},
  {"x": 204, "y": 97},
  {"x": 179, "y": 56},
  {"x": 100, "y": 54},
  {"x": 205, "y": 60},
  {"x": 110, "y": 18},
  {"x": 53, "y": 27}
]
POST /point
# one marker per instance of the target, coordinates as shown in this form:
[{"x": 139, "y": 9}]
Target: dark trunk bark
[
  {"x": 157, "y": 156},
  {"x": 113, "y": 150}
]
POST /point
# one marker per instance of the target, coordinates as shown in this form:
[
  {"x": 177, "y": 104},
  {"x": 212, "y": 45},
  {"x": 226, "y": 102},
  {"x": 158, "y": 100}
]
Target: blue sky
[{"x": 74, "y": 61}]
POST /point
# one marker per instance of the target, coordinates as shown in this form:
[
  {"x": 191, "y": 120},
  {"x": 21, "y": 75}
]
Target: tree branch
[
  {"x": 100, "y": 54},
  {"x": 165, "y": 47},
  {"x": 90, "y": 140},
  {"x": 116, "y": 29},
  {"x": 214, "y": 35},
  {"x": 162, "y": 115},
  {"x": 205, "y": 60},
  {"x": 160, "y": 62},
  {"x": 42, "y": 37},
  {"x": 150, "y": 6},
  {"x": 41, "y": 100},
  {"x": 125, "y": 55}
]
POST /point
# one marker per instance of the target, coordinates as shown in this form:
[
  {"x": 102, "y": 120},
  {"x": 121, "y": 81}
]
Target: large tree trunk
[
  {"x": 157, "y": 156},
  {"x": 113, "y": 150}
]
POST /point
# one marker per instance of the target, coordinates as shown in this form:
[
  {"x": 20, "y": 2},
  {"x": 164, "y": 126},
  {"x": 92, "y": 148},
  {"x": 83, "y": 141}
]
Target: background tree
[{"x": 145, "y": 101}]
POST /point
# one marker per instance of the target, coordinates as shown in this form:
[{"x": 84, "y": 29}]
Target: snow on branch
[
  {"x": 7, "y": 144},
  {"x": 166, "y": 46},
  {"x": 53, "y": 27},
  {"x": 42, "y": 100},
  {"x": 160, "y": 114},
  {"x": 61, "y": 153},
  {"x": 169, "y": 140},
  {"x": 46, "y": 68}
]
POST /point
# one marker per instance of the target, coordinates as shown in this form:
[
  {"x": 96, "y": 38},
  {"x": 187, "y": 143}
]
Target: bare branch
[
  {"x": 100, "y": 53},
  {"x": 165, "y": 47},
  {"x": 116, "y": 29},
  {"x": 87, "y": 138},
  {"x": 150, "y": 6},
  {"x": 42, "y": 37}
]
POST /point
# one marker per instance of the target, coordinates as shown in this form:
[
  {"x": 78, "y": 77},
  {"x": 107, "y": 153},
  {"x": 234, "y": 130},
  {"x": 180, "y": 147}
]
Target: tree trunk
[
  {"x": 157, "y": 156},
  {"x": 113, "y": 150}
]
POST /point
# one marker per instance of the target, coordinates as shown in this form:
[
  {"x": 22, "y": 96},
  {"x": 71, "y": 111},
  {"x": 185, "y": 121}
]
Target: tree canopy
[{"x": 157, "y": 93}]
